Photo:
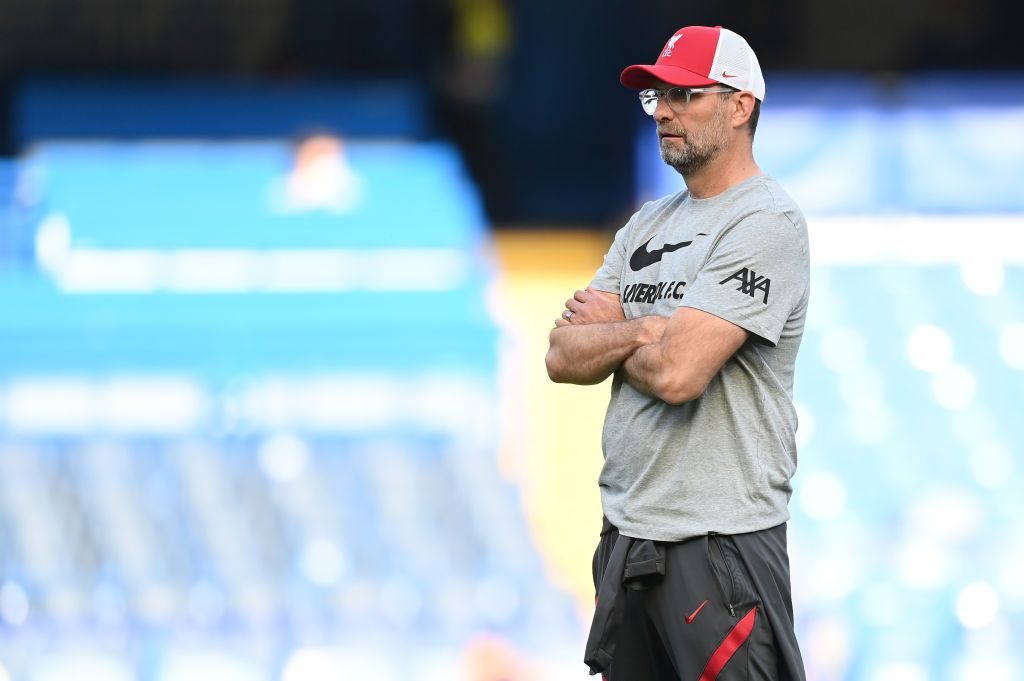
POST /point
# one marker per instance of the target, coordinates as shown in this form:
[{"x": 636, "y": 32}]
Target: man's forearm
[
  {"x": 642, "y": 369},
  {"x": 681, "y": 364},
  {"x": 651, "y": 371},
  {"x": 588, "y": 353}
]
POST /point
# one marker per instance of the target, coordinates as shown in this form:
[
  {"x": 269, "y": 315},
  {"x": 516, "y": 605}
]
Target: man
[{"x": 697, "y": 312}]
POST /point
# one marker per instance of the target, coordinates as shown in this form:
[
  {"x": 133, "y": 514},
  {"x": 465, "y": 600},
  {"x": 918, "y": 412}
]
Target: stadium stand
[{"x": 214, "y": 469}]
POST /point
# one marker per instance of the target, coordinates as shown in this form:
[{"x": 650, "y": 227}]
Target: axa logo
[
  {"x": 667, "y": 52},
  {"x": 750, "y": 283}
]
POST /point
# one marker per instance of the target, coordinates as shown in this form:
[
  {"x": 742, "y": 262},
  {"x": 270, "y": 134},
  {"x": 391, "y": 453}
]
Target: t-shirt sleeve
[
  {"x": 754, "y": 277},
  {"x": 609, "y": 276}
]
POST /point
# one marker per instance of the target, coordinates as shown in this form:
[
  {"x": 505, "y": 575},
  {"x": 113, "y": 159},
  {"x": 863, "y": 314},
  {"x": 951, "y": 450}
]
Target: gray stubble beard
[{"x": 699, "y": 149}]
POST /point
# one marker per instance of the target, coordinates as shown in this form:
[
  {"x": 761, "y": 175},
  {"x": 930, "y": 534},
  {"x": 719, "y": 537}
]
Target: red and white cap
[{"x": 698, "y": 56}]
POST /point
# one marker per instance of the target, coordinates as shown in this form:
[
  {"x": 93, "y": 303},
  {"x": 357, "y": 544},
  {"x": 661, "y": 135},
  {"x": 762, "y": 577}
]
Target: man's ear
[{"x": 743, "y": 106}]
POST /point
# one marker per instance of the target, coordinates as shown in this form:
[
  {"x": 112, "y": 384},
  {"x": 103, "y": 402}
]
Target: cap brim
[{"x": 640, "y": 76}]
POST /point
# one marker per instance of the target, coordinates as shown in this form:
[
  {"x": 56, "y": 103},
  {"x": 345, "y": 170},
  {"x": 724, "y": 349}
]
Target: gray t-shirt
[{"x": 722, "y": 462}]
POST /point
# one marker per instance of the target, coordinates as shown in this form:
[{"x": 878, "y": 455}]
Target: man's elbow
[
  {"x": 676, "y": 390},
  {"x": 553, "y": 360},
  {"x": 554, "y": 365}
]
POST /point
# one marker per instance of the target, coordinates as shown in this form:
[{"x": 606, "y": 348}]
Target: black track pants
[{"x": 712, "y": 607}]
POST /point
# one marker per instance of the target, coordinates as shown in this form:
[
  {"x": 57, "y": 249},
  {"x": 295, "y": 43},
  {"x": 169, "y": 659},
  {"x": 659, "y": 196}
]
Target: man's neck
[{"x": 727, "y": 170}]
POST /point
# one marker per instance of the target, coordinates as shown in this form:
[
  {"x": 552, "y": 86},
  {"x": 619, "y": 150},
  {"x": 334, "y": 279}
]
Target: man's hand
[{"x": 590, "y": 307}]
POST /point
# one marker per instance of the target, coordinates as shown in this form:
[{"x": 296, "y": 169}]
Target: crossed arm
[{"x": 671, "y": 358}]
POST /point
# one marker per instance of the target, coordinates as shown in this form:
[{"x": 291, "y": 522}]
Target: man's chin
[
  {"x": 684, "y": 166},
  {"x": 673, "y": 159}
]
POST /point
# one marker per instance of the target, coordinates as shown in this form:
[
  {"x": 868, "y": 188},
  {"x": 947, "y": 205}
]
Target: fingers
[
  {"x": 561, "y": 322},
  {"x": 568, "y": 317},
  {"x": 575, "y": 306}
]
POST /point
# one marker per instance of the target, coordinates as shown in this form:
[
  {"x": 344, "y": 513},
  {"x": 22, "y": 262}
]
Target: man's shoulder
[
  {"x": 763, "y": 213},
  {"x": 771, "y": 200}
]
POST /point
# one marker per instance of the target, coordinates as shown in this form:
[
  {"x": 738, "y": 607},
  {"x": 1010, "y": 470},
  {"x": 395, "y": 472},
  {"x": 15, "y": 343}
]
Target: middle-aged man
[{"x": 697, "y": 312}]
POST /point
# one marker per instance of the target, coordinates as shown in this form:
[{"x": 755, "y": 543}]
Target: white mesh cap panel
[{"x": 735, "y": 58}]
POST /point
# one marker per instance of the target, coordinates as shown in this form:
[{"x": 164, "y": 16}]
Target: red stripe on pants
[{"x": 728, "y": 647}]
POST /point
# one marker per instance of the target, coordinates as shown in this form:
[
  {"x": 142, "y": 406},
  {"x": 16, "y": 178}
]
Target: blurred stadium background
[{"x": 276, "y": 278}]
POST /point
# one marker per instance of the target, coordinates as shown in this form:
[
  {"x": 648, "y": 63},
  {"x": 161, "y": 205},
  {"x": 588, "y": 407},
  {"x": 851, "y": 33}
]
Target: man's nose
[{"x": 663, "y": 112}]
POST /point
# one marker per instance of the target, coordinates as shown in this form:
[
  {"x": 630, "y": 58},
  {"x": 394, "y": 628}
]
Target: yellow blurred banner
[{"x": 551, "y": 439}]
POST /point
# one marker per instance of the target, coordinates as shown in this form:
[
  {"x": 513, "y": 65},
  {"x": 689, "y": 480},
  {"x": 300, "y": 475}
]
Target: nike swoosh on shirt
[{"x": 642, "y": 257}]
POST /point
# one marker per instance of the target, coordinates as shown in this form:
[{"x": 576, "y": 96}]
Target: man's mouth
[{"x": 669, "y": 135}]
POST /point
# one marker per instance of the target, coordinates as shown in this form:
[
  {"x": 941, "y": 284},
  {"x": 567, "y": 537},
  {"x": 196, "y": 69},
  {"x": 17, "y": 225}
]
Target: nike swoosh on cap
[
  {"x": 728, "y": 75},
  {"x": 642, "y": 257}
]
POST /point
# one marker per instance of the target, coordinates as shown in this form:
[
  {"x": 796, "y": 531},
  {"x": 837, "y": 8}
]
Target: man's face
[{"x": 690, "y": 140}]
